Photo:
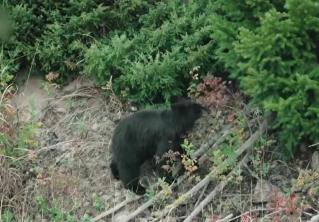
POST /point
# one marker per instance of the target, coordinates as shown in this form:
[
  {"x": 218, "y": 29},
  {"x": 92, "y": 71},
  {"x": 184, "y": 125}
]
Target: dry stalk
[
  {"x": 10, "y": 186},
  {"x": 216, "y": 190},
  {"x": 182, "y": 199},
  {"x": 115, "y": 208},
  {"x": 225, "y": 219},
  {"x": 244, "y": 147}
]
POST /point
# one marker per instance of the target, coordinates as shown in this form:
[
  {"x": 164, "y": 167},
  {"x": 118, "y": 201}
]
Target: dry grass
[{"x": 11, "y": 187}]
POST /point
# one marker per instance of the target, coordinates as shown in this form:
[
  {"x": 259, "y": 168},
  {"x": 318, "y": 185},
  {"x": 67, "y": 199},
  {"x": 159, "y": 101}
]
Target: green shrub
[
  {"x": 149, "y": 47},
  {"x": 279, "y": 69},
  {"x": 227, "y": 19},
  {"x": 12, "y": 47},
  {"x": 62, "y": 45},
  {"x": 7, "y": 70},
  {"x": 151, "y": 62},
  {"x": 53, "y": 36}
]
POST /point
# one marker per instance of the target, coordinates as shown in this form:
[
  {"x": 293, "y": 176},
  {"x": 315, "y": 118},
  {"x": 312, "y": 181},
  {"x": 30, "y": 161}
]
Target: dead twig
[
  {"x": 211, "y": 143},
  {"x": 183, "y": 198},
  {"x": 315, "y": 218},
  {"x": 115, "y": 208},
  {"x": 216, "y": 190},
  {"x": 229, "y": 219},
  {"x": 244, "y": 147},
  {"x": 201, "y": 195},
  {"x": 225, "y": 219}
]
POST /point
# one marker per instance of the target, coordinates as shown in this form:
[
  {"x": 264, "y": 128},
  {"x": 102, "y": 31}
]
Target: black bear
[{"x": 147, "y": 133}]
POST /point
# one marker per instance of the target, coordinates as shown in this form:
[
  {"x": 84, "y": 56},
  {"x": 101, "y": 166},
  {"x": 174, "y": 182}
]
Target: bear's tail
[{"x": 114, "y": 170}]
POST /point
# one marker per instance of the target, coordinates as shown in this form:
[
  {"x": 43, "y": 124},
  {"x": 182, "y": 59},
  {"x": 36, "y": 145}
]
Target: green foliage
[
  {"x": 99, "y": 204},
  {"x": 278, "y": 68},
  {"x": 55, "y": 35},
  {"x": 104, "y": 59},
  {"x": 225, "y": 158},
  {"x": 148, "y": 49},
  {"x": 227, "y": 19},
  {"x": 23, "y": 141},
  {"x": 86, "y": 218},
  {"x": 150, "y": 193},
  {"x": 63, "y": 42},
  {"x": 7, "y": 216},
  {"x": 188, "y": 147},
  {"x": 7, "y": 69},
  {"x": 54, "y": 212},
  {"x": 149, "y": 63}
]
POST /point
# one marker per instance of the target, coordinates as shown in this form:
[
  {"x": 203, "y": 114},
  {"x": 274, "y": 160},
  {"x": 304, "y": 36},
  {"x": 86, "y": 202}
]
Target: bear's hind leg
[
  {"x": 114, "y": 170},
  {"x": 129, "y": 175}
]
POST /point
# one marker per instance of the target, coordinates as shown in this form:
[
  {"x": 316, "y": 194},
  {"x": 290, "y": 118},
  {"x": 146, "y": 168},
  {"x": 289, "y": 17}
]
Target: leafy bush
[
  {"x": 148, "y": 63},
  {"x": 148, "y": 48},
  {"x": 271, "y": 49},
  {"x": 279, "y": 69},
  {"x": 12, "y": 48},
  {"x": 151, "y": 61},
  {"x": 53, "y": 36}
]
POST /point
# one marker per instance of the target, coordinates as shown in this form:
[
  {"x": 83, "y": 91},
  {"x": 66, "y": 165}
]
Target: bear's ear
[
  {"x": 179, "y": 107},
  {"x": 177, "y": 99}
]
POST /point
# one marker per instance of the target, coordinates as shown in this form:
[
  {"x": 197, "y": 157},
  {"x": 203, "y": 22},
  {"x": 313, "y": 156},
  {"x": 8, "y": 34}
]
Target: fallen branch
[
  {"x": 247, "y": 143},
  {"x": 150, "y": 202},
  {"x": 201, "y": 195},
  {"x": 252, "y": 139},
  {"x": 225, "y": 219},
  {"x": 207, "y": 179},
  {"x": 211, "y": 143},
  {"x": 216, "y": 190},
  {"x": 315, "y": 218},
  {"x": 56, "y": 146},
  {"x": 115, "y": 208},
  {"x": 184, "y": 197},
  {"x": 244, "y": 147}
]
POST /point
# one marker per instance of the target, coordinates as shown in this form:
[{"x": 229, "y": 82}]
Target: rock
[
  {"x": 95, "y": 127},
  {"x": 78, "y": 83},
  {"x": 61, "y": 110},
  {"x": 171, "y": 219},
  {"x": 263, "y": 191},
  {"x": 119, "y": 217},
  {"x": 315, "y": 218},
  {"x": 315, "y": 160},
  {"x": 31, "y": 99},
  {"x": 86, "y": 204}
]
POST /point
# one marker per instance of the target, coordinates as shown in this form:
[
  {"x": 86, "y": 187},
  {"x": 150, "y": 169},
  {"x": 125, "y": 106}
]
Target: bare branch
[
  {"x": 216, "y": 190},
  {"x": 115, "y": 208},
  {"x": 244, "y": 147}
]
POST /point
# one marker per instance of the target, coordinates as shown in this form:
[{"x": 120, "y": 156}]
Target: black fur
[{"x": 147, "y": 133}]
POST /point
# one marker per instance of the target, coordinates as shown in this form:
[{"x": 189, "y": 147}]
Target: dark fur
[{"x": 147, "y": 133}]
